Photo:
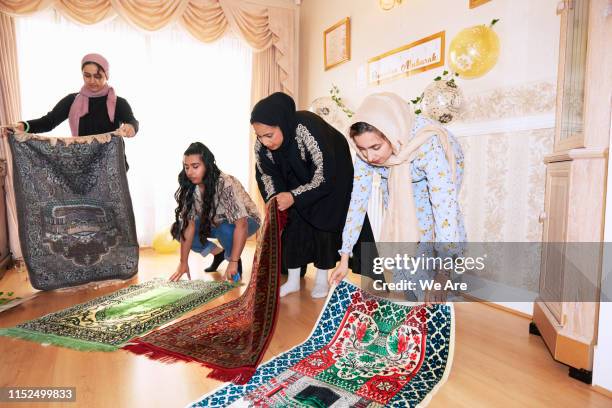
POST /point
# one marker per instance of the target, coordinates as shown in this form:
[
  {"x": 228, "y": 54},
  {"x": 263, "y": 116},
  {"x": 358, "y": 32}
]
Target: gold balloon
[
  {"x": 474, "y": 51},
  {"x": 387, "y": 4},
  {"x": 163, "y": 242}
]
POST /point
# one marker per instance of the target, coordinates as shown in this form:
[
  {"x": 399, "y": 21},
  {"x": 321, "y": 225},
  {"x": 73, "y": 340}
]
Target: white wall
[{"x": 528, "y": 30}]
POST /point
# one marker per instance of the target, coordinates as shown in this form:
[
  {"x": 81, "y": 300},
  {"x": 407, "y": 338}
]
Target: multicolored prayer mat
[
  {"x": 231, "y": 338},
  {"x": 76, "y": 223},
  {"x": 364, "y": 351},
  {"x": 108, "y": 322}
]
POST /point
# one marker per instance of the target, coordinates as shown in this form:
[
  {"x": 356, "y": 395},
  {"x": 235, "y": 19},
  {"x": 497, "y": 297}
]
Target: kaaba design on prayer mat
[
  {"x": 108, "y": 322},
  {"x": 74, "y": 210},
  {"x": 364, "y": 352}
]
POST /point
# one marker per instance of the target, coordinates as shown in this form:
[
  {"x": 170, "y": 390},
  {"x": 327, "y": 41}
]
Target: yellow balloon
[
  {"x": 474, "y": 51},
  {"x": 163, "y": 242}
]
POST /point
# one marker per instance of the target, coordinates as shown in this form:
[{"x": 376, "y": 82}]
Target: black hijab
[
  {"x": 277, "y": 109},
  {"x": 293, "y": 163}
]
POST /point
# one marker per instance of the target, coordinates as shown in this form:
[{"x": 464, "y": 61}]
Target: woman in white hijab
[{"x": 421, "y": 167}]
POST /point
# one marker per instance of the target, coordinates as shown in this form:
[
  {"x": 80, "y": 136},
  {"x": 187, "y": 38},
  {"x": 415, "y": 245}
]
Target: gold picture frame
[
  {"x": 476, "y": 3},
  {"x": 337, "y": 43},
  {"x": 399, "y": 61}
]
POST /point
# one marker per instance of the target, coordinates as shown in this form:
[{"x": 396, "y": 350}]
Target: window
[{"x": 181, "y": 90}]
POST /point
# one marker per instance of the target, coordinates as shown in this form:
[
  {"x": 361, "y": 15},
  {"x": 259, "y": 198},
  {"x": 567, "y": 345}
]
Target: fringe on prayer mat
[
  {"x": 237, "y": 375},
  {"x": 232, "y": 338},
  {"x": 46, "y": 338}
]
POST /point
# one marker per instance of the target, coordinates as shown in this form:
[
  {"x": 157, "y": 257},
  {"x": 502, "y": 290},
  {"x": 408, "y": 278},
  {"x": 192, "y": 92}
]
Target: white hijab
[{"x": 393, "y": 116}]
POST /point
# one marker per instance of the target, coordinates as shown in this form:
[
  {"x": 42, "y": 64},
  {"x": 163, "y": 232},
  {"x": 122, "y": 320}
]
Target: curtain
[
  {"x": 272, "y": 72},
  {"x": 207, "y": 20},
  {"x": 266, "y": 79},
  {"x": 260, "y": 26},
  {"x": 269, "y": 31},
  {"x": 9, "y": 112},
  {"x": 181, "y": 91}
]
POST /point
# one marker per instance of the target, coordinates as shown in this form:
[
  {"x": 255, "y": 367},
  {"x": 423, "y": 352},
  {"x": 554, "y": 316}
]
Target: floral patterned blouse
[
  {"x": 233, "y": 202},
  {"x": 435, "y": 196}
]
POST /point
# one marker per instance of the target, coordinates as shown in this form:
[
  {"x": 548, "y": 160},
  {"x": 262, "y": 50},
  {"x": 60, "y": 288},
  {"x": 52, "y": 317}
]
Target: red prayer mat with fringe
[{"x": 232, "y": 338}]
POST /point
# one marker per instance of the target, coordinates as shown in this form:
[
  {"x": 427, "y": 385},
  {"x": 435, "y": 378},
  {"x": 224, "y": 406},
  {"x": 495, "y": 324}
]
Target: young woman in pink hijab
[{"x": 93, "y": 110}]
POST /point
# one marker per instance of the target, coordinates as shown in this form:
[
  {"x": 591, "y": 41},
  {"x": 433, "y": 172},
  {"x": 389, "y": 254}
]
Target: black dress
[{"x": 314, "y": 164}]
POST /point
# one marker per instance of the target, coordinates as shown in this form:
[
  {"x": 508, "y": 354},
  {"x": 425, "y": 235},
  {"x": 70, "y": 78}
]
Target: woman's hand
[
  {"x": 340, "y": 272},
  {"x": 18, "y": 127},
  {"x": 125, "y": 130},
  {"x": 284, "y": 200},
  {"x": 231, "y": 270},
  {"x": 180, "y": 271},
  {"x": 436, "y": 297}
]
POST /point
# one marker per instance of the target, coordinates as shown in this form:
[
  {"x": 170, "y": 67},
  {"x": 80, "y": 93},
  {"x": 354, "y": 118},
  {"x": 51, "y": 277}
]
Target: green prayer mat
[{"x": 108, "y": 322}]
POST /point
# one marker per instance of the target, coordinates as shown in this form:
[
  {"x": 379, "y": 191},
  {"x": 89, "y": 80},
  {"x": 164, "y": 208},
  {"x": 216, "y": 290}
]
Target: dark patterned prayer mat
[
  {"x": 231, "y": 338},
  {"x": 74, "y": 209},
  {"x": 108, "y": 322},
  {"x": 364, "y": 351}
]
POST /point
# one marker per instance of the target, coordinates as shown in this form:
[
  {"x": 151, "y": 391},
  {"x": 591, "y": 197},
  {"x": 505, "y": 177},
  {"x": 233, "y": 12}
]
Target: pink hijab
[{"x": 80, "y": 106}]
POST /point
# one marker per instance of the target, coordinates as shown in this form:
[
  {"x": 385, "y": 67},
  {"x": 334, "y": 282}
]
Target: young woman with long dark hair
[{"x": 211, "y": 204}]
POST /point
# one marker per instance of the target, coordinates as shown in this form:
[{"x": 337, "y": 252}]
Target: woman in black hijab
[{"x": 306, "y": 164}]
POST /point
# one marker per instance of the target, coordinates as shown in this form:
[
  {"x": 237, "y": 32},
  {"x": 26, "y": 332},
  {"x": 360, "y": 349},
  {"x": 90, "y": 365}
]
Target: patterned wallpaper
[
  {"x": 509, "y": 102},
  {"x": 502, "y": 194},
  {"x": 503, "y": 191}
]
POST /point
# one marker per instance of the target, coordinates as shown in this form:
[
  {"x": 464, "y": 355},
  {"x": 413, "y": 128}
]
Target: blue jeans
[{"x": 224, "y": 233}]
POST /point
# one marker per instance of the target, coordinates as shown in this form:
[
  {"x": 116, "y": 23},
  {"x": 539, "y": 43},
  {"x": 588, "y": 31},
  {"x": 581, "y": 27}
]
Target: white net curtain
[{"x": 181, "y": 90}]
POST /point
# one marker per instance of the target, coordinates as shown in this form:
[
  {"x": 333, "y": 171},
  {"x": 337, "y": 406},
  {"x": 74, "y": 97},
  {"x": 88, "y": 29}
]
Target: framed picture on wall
[
  {"x": 337, "y": 43},
  {"x": 476, "y": 3}
]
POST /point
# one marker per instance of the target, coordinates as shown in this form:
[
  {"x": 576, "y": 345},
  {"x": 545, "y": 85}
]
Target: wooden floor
[{"x": 496, "y": 364}]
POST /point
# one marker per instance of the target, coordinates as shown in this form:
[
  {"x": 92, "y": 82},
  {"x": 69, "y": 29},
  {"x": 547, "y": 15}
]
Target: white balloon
[
  {"x": 326, "y": 108},
  {"x": 442, "y": 101}
]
